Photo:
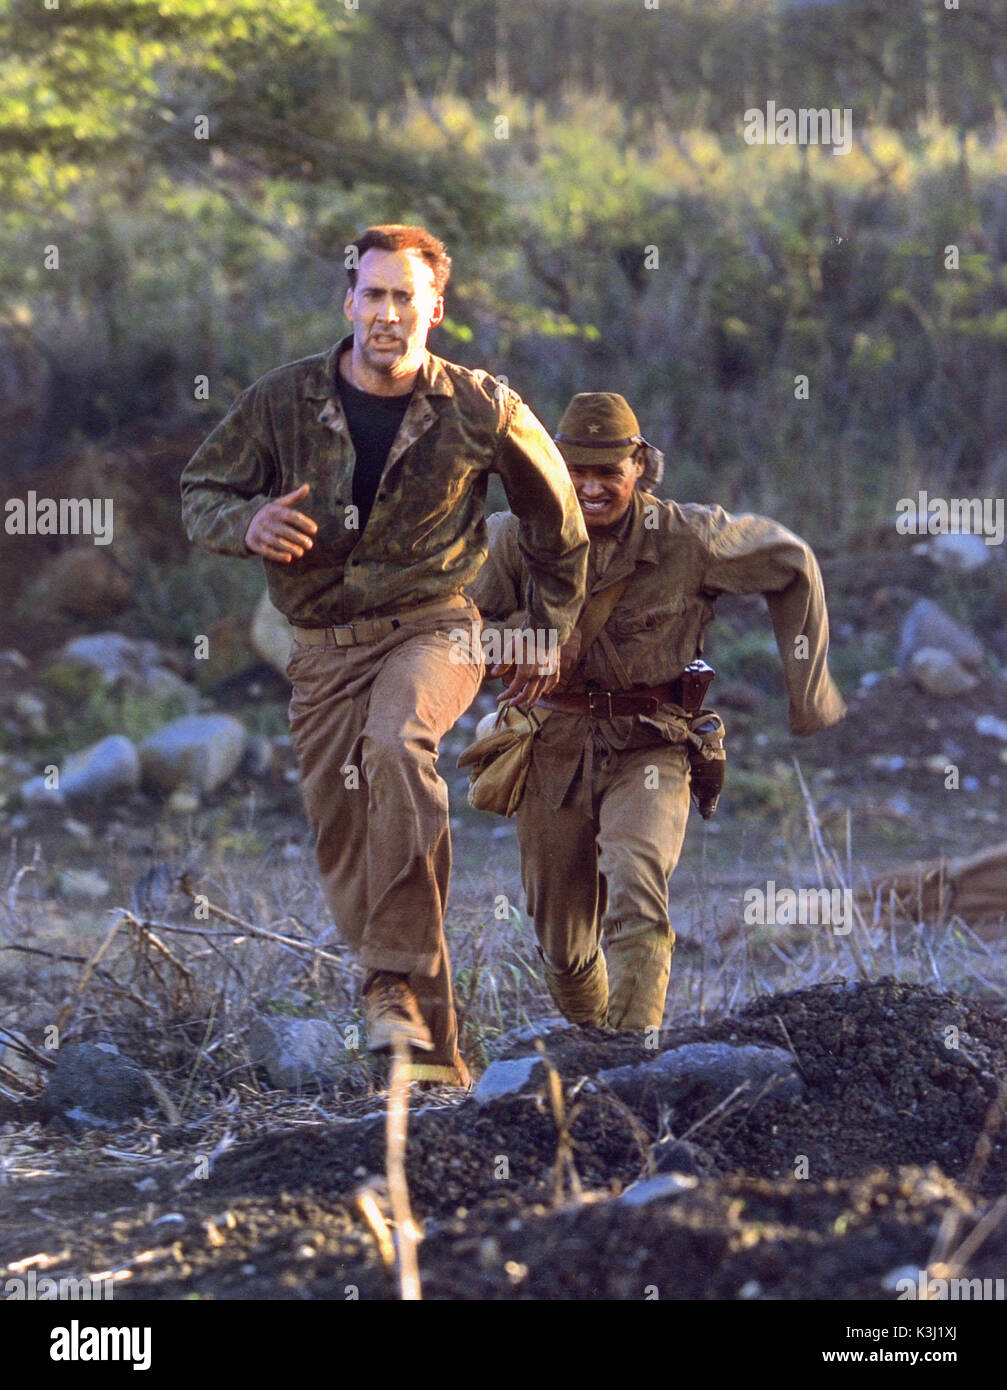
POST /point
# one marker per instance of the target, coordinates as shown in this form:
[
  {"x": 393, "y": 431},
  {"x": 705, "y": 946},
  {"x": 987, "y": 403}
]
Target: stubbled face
[
  {"x": 605, "y": 491},
  {"x": 393, "y": 307}
]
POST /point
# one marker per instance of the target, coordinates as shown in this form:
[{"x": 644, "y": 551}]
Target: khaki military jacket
[
  {"x": 682, "y": 557},
  {"x": 426, "y": 535}
]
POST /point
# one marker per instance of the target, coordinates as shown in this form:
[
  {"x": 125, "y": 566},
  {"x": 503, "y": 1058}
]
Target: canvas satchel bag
[{"x": 499, "y": 759}]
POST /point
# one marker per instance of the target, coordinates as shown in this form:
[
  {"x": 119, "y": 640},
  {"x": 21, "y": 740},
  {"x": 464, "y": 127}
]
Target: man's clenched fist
[{"x": 278, "y": 531}]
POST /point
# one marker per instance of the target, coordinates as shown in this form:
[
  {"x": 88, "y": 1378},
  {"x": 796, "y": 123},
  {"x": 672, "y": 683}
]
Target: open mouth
[{"x": 591, "y": 507}]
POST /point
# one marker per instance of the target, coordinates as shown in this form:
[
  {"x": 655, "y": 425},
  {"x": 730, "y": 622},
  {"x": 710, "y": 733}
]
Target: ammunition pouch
[{"x": 707, "y": 760}]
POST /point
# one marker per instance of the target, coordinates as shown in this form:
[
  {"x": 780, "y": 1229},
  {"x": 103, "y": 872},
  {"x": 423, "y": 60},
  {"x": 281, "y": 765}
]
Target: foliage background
[{"x": 181, "y": 256}]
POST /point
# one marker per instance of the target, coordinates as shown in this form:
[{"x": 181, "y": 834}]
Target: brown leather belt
[
  {"x": 608, "y": 704},
  {"x": 374, "y": 629}
]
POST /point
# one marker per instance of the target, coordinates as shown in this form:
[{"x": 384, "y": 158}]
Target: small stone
[
  {"x": 928, "y": 626},
  {"x": 83, "y": 885},
  {"x": 962, "y": 551},
  {"x": 202, "y": 751},
  {"x": 894, "y": 1277},
  {"x": 508, "y": 1078},
  {"x": 183, "y": 801},
  {"x": 991, "y": 727},
  {"x": 656, "y": 1188},
  {"x": 888, "y": 762},
  {"x": 109, "y": 766},
  {"x": 258, "y": 761},
  {"x": 296, "y": 1052},
  {"x": 712, "y": 1069},
  {"x": 32, "y": 712},
  {"x": 96, "y": 1079},
  {"x": 938, "y": 672}
]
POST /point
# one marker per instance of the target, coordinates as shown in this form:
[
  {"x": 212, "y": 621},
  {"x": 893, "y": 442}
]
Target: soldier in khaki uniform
[
  {"x": 360, "y": 476},
  {"x": 603, "y": 816}
]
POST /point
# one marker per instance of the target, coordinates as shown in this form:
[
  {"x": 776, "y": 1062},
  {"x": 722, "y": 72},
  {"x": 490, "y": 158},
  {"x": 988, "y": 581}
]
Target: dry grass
[{"x": 179, "y": 985}]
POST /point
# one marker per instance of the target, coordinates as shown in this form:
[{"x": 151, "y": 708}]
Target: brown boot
[
  {"x": 639, "y": 967},
  {"x": 582, "y": 998},
  {"x": 392, "y": 1013}
]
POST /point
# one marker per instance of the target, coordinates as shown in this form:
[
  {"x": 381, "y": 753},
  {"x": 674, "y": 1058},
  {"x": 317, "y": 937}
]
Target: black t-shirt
[{"x": 373, "y": 422}]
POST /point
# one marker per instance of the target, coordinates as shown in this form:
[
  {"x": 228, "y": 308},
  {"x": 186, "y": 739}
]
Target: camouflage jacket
[
  {"x": 681, "y": 557},
  {"x": 426, "y": 536}
]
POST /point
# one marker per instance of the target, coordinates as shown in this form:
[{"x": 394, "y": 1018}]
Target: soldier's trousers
[
  {"x": 366, "y": 722},
  {"x": 604, "y": 874}
]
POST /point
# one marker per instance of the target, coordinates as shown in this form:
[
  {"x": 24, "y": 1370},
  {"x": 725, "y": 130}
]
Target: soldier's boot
[
  {"x": 581, "y": 998},
  {"x": 639, "y": 968}
]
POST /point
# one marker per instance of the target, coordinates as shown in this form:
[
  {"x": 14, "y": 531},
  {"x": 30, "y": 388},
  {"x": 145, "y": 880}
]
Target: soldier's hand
[
  {"x": 527, "y": 683},
  {"x": 569, "y": 655},
  {"x": 278, "y": 531}
]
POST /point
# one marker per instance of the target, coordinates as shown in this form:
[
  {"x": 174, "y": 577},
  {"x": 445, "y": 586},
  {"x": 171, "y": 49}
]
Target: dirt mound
[{"x": 899, "y": 1082}]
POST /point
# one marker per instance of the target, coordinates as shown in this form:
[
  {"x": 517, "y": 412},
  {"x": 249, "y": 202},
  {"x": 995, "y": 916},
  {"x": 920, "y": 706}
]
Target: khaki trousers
[
  {"x": 366, "y": 722},
  {"x": 606, "y": 874}
]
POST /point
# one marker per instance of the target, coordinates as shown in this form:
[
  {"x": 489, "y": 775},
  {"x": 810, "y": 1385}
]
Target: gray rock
[
  {"x": 136, "y": 665},
  {"x": 36, "y": 792},
  {"x": 200, "y": 750},
  {"x": 955, "y": 550},
  {"x": 96, "y": 1080},
  {"x": 715, "y": 1069},
  {"x": 271, "y": 634},
  {"x": 184, "y": 801},
  {"x": 991, "y": 727},
  {"x": 109, "y": 766},
  {"x": 528, "y": 1032},
  {"x": 938, "y": 672},
  {"x": 83, "y": 885},
  {"x": 32, "y": 712},
  {"x": 296, "y": 1052},
  {"x": 509, "y": 1078},
  {"x": 259, "y": 755},
  {"x": 927, "y": 625}
]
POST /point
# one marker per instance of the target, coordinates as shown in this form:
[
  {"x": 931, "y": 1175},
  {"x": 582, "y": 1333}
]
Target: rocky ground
[{"x": 874, "y": 1150}]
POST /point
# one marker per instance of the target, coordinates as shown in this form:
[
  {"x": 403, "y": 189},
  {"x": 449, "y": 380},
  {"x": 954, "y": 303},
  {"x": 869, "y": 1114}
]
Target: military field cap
[{"x": 600, "y": 427}]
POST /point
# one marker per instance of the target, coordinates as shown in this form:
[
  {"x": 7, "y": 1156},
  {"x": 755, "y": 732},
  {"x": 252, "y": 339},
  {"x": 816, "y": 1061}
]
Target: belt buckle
[
  {"x": 606, "y": 694},
  {"x": 335, "y": 628}
]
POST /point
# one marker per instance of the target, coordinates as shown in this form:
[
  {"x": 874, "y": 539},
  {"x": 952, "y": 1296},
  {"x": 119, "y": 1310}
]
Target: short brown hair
[{"x": 399, "y": 236}]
